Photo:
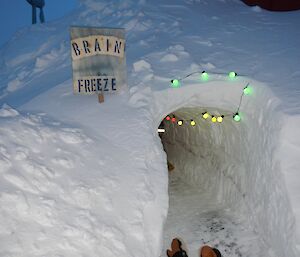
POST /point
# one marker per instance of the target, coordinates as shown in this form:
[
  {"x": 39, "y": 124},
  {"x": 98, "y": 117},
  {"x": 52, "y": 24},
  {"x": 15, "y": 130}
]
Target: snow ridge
[{"x": 79, "y": 179}]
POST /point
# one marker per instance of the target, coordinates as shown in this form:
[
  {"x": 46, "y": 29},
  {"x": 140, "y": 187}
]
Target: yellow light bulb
[
  {"x": 193, "y": 123},
  {"x": 205, "y": 115},
  {"x": 220, "y": 119},
  {"x": 213, "y": 119},
  {"x": 180, "y": 122}
]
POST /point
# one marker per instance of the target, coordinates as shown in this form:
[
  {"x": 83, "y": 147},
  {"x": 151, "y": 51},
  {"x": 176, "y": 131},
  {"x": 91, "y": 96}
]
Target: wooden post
[{"x": 100, "y": 97}]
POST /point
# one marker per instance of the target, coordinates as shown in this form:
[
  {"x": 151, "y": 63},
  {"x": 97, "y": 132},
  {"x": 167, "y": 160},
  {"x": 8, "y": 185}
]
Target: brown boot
[
  {"x": 176, "y": 249},
  {"x": 207, "y": 251}
]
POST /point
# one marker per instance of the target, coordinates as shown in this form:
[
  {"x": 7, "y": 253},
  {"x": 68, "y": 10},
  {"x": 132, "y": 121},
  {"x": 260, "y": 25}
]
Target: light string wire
[
  {"x": 218, "y": 117},
  {"x": 203, "y": 71},
  {"x": 241, "y": 98}
]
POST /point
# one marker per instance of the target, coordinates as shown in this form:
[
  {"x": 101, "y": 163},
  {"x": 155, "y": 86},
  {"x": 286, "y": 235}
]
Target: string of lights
[
  {"x": 214, "y": 118},
  {"x": 204, "y": 76}
]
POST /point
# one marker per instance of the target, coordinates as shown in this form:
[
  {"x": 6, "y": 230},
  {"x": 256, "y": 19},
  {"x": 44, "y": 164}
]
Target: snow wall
[
  {"x": 102, "y": 189},
  {"x": 238, "y": 161},
  {"x": 248, "y": 160}
]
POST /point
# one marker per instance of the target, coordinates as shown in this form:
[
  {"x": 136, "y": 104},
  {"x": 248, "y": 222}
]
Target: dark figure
[{"x": 37, "y": 4}]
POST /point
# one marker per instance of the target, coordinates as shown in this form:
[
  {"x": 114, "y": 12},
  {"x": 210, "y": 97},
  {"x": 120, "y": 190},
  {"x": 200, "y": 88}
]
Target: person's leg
[
  {"x": 42, "y": 17},
  {"x": 33, "y": 14}
]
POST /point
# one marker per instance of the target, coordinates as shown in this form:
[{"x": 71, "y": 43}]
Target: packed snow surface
[{"x": 79, "y": 178}]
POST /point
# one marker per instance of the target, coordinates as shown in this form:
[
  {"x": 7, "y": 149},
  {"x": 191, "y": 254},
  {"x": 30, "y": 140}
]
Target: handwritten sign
[
  {"x": 93, "y": 45},
  {"x": 98, "y": 60}
]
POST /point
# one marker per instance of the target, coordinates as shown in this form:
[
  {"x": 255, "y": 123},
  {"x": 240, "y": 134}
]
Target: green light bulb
[
  {"x": 232, "y": 74},
  {"x": 248, "y": 90},
  {"x": 175, "y": 83},
  {"x": 204, "y": 75},
  {"x": 237, "y": 117}
]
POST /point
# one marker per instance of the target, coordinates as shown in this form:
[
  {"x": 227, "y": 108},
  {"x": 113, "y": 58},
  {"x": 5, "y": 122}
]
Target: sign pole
[{"x": 101, "y": 98}]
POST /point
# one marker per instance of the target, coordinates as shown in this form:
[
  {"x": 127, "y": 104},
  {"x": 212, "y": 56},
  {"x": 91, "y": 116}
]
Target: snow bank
[
  {"x": 98, "y": 187},
  {"x": 44, "y": 199},
  {"x": 81, "y": 179},
  {"x": 289, "y": 152},
  {"x": 98, "y": 194}
]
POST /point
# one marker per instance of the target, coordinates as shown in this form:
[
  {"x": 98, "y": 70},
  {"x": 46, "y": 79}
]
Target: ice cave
[{"x": 227, "y": 179}]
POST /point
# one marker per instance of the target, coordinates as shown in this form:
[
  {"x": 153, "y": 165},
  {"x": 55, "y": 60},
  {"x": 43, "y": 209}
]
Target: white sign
[{"x": 98, "y": 60}]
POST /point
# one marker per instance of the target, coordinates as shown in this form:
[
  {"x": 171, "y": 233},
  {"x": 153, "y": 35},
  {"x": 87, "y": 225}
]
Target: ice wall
[{"x": 239, "y": 161}]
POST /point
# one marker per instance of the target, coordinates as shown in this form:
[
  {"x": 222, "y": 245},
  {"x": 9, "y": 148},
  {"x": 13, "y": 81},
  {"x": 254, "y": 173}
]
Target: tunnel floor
[{"x": 198, "y": 219}]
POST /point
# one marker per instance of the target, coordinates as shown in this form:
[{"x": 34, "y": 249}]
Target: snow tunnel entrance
[
  {"x": 198, "y": 160},
  {"x": 226, "y": 189}
]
